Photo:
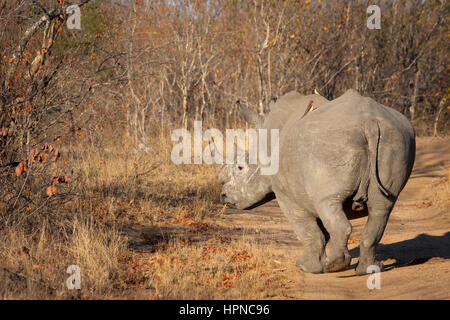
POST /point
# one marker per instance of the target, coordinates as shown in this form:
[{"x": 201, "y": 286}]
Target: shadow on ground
[
  {"x": 413, "y": 251},
  {"x": 151, "y": 238}
]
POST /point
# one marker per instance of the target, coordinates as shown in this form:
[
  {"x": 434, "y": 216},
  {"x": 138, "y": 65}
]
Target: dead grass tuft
[{"x": 137, "y": 225}]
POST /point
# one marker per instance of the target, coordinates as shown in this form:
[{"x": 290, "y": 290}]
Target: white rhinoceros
[{"x": 346, "y": 155}]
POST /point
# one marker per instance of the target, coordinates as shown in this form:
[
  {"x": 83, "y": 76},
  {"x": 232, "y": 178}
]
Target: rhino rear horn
[
  {"x": 272, "y": 103},
  {"x": 251, "y": 116}
]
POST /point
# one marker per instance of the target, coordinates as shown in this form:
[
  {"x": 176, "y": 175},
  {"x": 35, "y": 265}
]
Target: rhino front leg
[
  {"x": 339, "y": 228},
  {"x": 309, "y": 233}
]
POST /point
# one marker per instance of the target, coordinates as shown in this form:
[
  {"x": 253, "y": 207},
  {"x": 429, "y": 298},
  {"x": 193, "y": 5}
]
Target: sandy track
[{"x": 415, "y": 247}]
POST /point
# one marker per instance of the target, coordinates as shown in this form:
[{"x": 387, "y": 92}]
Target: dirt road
[{"x": 415, "y": 247}]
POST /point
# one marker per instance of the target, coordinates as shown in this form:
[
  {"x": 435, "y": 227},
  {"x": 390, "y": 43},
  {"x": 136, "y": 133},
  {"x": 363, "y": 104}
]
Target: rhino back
[
  {"x": 289, "y": 107},
  {"x": 330, "y": 142},
  {"x": 348, "y": 112}
]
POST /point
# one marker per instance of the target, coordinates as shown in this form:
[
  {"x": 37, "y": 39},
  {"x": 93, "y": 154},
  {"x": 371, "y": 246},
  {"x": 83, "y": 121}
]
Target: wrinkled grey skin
[{"x": 350, "y": 154}]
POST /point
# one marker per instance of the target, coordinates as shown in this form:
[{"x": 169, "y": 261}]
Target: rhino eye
[{"x": 240, "y": 168}]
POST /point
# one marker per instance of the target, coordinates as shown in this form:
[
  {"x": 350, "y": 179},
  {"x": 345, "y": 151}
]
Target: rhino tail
[{"x": 372, "y": 133}]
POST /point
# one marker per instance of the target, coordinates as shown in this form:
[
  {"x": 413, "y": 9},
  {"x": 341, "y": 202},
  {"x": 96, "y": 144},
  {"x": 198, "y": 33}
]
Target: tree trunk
[
  {"x": 413, "y": 107},
  {"x": 438, "y": 115},
  {"x": 185, "y": 108},
  {"x": 261, "y": 85},
  {"x": 269, "y": 76}
]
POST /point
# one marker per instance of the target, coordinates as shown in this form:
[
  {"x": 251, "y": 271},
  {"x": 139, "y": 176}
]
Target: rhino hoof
[
  {"x": 337, "y": 264},
  {"x": 309, "y": 264},
  {"x": 362, "y": 268}
]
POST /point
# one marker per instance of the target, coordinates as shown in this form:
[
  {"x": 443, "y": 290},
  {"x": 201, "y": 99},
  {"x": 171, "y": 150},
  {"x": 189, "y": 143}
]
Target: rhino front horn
[{"x": 251, "y": 116}]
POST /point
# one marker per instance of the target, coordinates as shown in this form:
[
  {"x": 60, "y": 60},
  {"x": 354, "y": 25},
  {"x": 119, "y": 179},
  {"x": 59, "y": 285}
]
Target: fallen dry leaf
[
  {"x": 60, "y": 179},
  {"x": 51, "y": 190},
  {"x": 55, "y": 157},
  {"x": 20, "y": 169}
]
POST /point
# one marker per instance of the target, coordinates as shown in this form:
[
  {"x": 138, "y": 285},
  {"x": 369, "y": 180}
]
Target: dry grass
[
  {"x": 210, "y": 269},
  {"x": 137, "y": 225}
]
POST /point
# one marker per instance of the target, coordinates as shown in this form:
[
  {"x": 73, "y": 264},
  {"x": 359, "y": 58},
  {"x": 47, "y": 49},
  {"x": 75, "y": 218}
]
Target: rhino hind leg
[
  {"x": 372, "y": 234},
  {"x": 339, "y": 228},
  {"x": 309, "y": 232}
]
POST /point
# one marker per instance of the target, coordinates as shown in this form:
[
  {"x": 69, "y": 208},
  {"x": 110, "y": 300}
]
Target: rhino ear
[
  {"x": 272, "y": 103},
  {"x": 251, "y": 116}
]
